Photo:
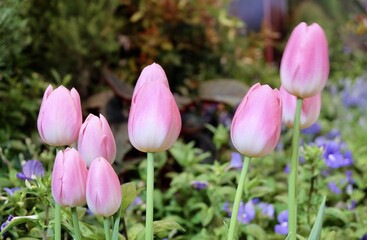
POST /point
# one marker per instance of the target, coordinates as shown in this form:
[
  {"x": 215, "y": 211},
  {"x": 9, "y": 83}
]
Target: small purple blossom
[
  {"x": 352, "y": 205},
  {"x": 287, "y": 169},
  {"x": 236, "y": 161},
  {"x": 31, "y": 169},
  {"x": 11, "y": 191},
  {"x": 6, "y": 223},
  {"x": 355, "y": 95},
  {"x": 336, "y": 155},
  {"x": 267, "y": 209},
  {"x": 334, "y": 188},
  {"x": 199, "y": 185},
  {"x": 137, "y": 201},
  {"x": 312, "y": 130},
  {"x": 282, "y": 227},
  {"x": 246, "y": 213}
]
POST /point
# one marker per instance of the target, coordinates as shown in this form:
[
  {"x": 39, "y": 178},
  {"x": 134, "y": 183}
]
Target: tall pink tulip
[
  {"x": 310, "y": 109},
  {"x": 69, "y": 177},
  {"x": 103, "y": 188},
  {"x": 304, "y": 68},
  {"x": 60, "y": 116},
  {"x": 256, "y": 125},
  {"x": 154, "y": 120},
  {"x": 96, "y": 140}
]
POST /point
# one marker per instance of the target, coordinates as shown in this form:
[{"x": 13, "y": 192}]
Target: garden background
[{"x": 211, "y": 51}]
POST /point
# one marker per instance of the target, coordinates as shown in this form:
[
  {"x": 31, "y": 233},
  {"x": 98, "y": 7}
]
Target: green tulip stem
[
  {"x": 237, "y": 200},
  {"x": 57, "y": 221},
  {"x": 292, "y": 180},
  {"x": 150, "y": 191},
  {"x": 106, "y": 225},
  {"x": 74, "y": 214}
]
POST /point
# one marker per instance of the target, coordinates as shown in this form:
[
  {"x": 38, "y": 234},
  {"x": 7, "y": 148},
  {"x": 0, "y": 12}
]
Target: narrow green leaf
[{"x": 317, "y": 226}]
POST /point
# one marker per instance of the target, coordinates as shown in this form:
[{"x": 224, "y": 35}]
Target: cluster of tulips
[{"x": 154, "y": 125}]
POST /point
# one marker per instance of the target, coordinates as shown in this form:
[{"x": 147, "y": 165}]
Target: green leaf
[
  {"x": 301, "y": 237},
  {"x": 129, "y": 194},
  {"x": 136, "y": 232},
  {"x": 19, "y": 220},
  {"x": 163, "y": 227},
  {"x": 256, "y": 231},
  {"x": 336, "y": 213},
  {"x": 317, "y": 226},
  {"x": 207, "y": 216}
]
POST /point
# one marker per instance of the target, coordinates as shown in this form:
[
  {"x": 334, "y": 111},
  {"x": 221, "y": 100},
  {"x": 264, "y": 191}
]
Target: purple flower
[
  {"x": 312, "y": 130},
  {"x": 267, "y": 209},
  {"x": 6, "y": 223},
  {"x": 335, "y": 155},
  {"x": 364, "y": 237},
  {"x": 236, "y": 161},
  {"x": 226, "y": 208},
  {"x": 199, "y": 185},
  {"x": 334, "y": 188},
  {"x": 282, "y": 227},
  {"x": 137, "y": 201},
  {"x": 246, "y": 213},
  {"x": 287, "y": 168},
  {"x": 31, "y": 169},
  {"x": 355, "y": 95},
  {"x": 352, "y": 205},
  {"x": 11, "y": 191}
]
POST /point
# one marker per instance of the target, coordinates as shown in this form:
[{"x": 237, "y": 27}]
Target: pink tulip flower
[
  {"x": 256, "y": 125},
  {"x": 103, "y": 188},
  {"x": 96, "y": 140},
  {"x": 69, "y": 178},
  {"x": 310, "y": 109},
  {"x": 154, "y": 120},
  {"x": 60, "y": 116},
  {"x": 153, "y": 72},
  {"x": 304, "y": 68}
]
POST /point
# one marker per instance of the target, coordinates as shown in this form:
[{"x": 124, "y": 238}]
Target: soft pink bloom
[
  {"x": 69, "y": 178},
  {"x": 96, "y": 140},
  {"x": 154, "y": 120},
  {"x": 103, "y": 188},
  {"x": 310, "y": 109},
  {"x": 153, "y": 72},
  {"x": 304, "y": 68},
  {"x": 60, "y": 116},
  {"x": 256, "y": 125}
]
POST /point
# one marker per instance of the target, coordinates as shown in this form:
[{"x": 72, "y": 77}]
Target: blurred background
[{"x": 211, "y": 51}]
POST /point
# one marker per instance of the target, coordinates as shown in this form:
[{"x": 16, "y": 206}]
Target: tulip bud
[
  {"x": 69, "y": 177},
  {"x": 96, "y": 140},
  {"x": 256, "y": 125},
  {"x": 154, "y": 120},
  {"x": 310, "y": 109},
  {"x": 60, "y": 116},
  {"x": 304, "y": 68},
  {"x": 103, "y": 188}
]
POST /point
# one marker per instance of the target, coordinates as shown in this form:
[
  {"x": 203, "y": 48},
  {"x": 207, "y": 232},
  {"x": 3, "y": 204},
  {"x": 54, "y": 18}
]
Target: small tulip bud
[
  {"x": 154, "y": 120},
  {"x": 96, "y": 140},
  {"x": 60, "y": 116},
  {"x": 256, "y": 125},
  {"x": 304, "y": 68},
  {"x": 310, "y": 109},
  {"x": 103, "y": 188},
  {"x": 69, "y": 177}
]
